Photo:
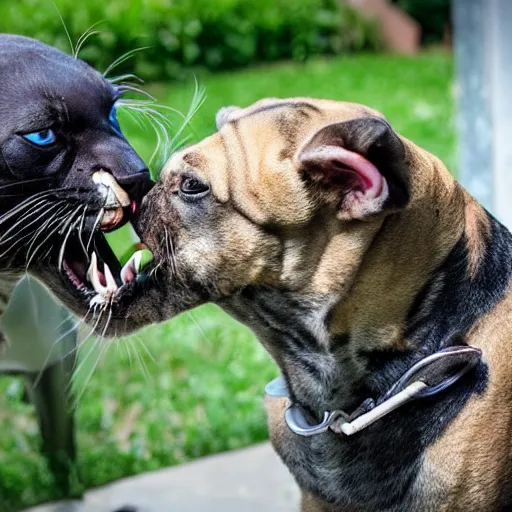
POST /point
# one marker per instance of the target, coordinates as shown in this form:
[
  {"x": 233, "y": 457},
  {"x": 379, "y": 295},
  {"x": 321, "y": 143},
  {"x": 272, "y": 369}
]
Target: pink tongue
[{"x": 78, "y": 269}]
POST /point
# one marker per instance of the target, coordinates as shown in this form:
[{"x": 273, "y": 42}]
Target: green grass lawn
[{"x": 194, "y": 386}]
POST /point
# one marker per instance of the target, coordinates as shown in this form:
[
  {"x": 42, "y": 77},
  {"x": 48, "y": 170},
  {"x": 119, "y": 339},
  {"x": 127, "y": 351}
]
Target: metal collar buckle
[{"x": 429, "y": 376}]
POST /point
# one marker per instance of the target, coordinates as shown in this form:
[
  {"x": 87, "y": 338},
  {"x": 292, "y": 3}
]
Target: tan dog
[{"x": 354, "y": 256}]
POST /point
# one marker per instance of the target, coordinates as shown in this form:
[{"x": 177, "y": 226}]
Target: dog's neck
[{"x": 403, "y": 295}]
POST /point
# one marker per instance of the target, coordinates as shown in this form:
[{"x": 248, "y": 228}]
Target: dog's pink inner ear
[{"x": 354, "y": 180}]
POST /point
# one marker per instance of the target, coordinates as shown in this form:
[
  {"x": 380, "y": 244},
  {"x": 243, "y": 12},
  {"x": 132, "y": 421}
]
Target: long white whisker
[
  {"x": 56, "y": 218},
  {"x": 65, "y": 28},
  {"x": 137, "y": 90},
  {"x": 151, "y": 113},
  {"x": 85, "y": 36},
  {"x": 54, "y": 345},
  {"x": 91, "y": 332},
  {"x": 161, "y": 133},
  {"x": 129, "y": 352},
  {"x": 144, "y": 347},
  {"x": 78, "y": 367},
  {"x": 24, "y": 204},
  {"x": 88, "y": 378},
  {"x": 198, "y": 325},
  {"x": 80, "y": 342},
  {"x": 128, "y": 55},
  {"x": 197, "y": 100},
  {"x": 146, "y": 106},
  {"x": 36, "y": 209},
  {"x": 107, "y": 323},
  {"x": 141, "y": 362},
  {"x": 80, "y": 232},
  {"x": 138, "y": 121},
  {"x": 100, "y": 356},
  {"x": 32, "y": 237},
  {"x": 66, "y": 237},
  {"x": 157, "y": 126},
  {"x": 96, "y": 223},
  {"x": 126, "y": 77},
  {"x": 31, "y": 256}
]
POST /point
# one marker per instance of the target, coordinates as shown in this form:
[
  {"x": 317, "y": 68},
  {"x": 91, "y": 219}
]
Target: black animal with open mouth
[{"x": 67, "y": 174}]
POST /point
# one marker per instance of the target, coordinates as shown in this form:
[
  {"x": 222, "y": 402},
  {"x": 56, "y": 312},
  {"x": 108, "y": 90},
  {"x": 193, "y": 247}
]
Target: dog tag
[{"x": 277, "y": 388}]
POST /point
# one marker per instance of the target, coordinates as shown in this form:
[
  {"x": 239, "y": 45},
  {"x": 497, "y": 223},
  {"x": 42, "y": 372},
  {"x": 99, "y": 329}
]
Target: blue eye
[
  {"x": 112, "y": 117},
  {"x": 42, "y": 138}
]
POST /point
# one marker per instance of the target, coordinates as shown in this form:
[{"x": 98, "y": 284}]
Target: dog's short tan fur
[{"x": 347, "y": 292}]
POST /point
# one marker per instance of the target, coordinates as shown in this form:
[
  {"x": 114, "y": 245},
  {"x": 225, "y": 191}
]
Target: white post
[{"x": 483, "y": 63}]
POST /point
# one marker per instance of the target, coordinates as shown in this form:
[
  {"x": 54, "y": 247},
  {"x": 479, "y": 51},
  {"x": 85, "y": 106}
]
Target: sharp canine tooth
[
  {"x": 93, "y": 267},
  {"x": 124, "y": 273},
  {"x": 92, "y": 275},
  {"x": 137, "y": 258},
  {"x": 111, "y": 282},
  {"x": 132, "y": 264},
  {"x": 136, "y": 263}
]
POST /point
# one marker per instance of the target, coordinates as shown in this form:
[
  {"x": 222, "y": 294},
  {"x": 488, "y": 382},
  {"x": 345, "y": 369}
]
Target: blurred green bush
[{"x": 180, "y": 34}]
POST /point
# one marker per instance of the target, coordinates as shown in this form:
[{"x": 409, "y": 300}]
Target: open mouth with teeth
[
  {"x": 113, "y": 255},
  {"x": 99, "y": 273}
]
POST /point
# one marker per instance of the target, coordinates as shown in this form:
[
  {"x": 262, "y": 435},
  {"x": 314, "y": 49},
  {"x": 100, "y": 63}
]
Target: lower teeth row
[{"x": 129, "y": 272}]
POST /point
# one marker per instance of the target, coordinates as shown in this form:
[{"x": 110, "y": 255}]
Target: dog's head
[
  {"x": 65, "y": 167},
  {"x": 288, "y": 194},
  {"x": 351, "y": 253}
]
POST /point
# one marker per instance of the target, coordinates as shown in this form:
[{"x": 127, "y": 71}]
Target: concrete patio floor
[{"x": 250, "y": 480}]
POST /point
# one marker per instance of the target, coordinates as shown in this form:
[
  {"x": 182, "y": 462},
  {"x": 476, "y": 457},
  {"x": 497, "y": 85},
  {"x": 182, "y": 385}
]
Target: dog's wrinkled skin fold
[{"x": 352, "y": 253}]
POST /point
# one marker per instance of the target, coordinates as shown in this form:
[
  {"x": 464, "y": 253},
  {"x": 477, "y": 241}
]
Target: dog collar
[{"x": 427, "y": 377}]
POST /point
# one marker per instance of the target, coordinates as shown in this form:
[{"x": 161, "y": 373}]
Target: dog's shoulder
[{"x": 478, "y": 440}]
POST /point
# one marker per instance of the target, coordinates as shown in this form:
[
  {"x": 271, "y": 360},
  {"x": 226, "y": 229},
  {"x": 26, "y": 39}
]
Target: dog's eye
[
  {"x": 112, "y": 117},
  {"x": 42, "y": 138},
  {"x": 193, "y": 188}
]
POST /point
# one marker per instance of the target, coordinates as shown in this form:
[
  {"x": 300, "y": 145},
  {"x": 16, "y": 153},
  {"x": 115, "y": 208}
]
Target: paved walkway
[{"x": 250, "y": 480}]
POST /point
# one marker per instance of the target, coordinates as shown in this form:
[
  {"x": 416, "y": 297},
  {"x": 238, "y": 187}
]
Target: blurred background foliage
[
  {"x": 220, "y": 34},
  {"x": 432, "y": 15}
]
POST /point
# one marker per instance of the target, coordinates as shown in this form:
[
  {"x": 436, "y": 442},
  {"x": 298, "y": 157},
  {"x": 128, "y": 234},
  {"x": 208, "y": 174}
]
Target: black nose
[
  {"x": 115, "y": 155},
  {"x": 137, "y": 185}
]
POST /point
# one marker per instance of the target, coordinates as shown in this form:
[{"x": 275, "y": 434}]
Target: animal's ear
[
  {"x": 224, "y": 115},
  {"x": 359, "y": 164}
]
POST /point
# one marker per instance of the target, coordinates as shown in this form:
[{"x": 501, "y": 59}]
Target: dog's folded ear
[{"x": 360, "y": 165}]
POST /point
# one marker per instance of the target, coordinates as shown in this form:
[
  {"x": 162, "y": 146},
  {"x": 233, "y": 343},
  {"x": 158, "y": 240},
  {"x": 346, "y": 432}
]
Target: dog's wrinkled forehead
[
  {"x": 325, "y": 109},
  {"x": 254, "y": 158},
  {"x": 39, "y": 84}
]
